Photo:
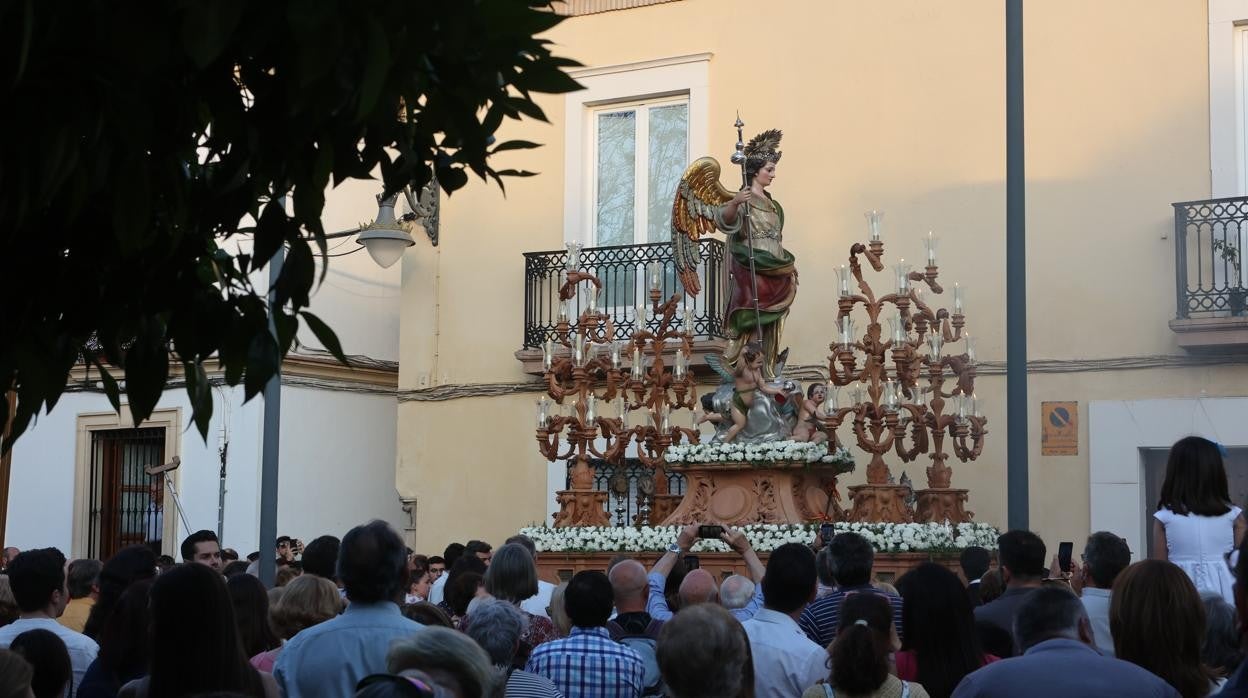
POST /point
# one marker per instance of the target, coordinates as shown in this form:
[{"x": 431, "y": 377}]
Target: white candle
[
  {"x": 679, "y": 370},
  {"x": 621, "y": 409},
  {"x": 593, "y": 299},
  {"x": 615, "y": 354},
  {"x": 637, "y": 363},
  {"x": 564, "y": 308},
  {"x": 873, "y": 223},
  {"x": 844, "y": 277},
  {"x": 543, "y": 413},
  {"x": 689, "y": 321},
  {"x": 930, "y": 245},
  {"x": 591, "y": 409},
  {"x": 548, "y": 354},
  {"x": 655, "y": 275},
  {"x": 959, "y": 297}
]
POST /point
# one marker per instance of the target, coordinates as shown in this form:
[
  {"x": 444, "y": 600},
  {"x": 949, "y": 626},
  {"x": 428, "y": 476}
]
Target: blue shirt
[
  {"x": 328, "y": 659},
  {"x": 821, "y": 620},
  {"x": 1062, "y": 667},
  {"x": 589, "y": 664},
  {"x": 656, "y": 604}
]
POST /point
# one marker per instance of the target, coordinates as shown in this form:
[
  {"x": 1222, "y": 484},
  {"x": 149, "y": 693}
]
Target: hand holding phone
[
  {"x": 1064, "y": 552},
  {"x": 710, "y": 531}
]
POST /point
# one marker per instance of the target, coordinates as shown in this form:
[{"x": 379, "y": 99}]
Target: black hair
[
  {"x": 123, "y": 642},
  {"x": 460, "y": 589},
  {"x": 524, "y": 540},
  {"x": 34, "y": 575},
  {"x": 452, "y": 553},
  {"x": 282, "y": 539},
  {"x": 251, "y": 613},
  {"x": 372, "y": 563},
  {"x": 1022, "y": 553},
  {"x": 810, "y": 389},
  {"x": 320, "y": 557},
  {"x": 81, "y": 576},
  {"x": 195, "y": 646},
  {"x": 1048, "y": 612},
  {"x": 1107, "y": 555},
  {"x": 129, "y": 565},
  {"x": 433, "y": 560},
  {"x": 1195, "y": 479},
  {"x": 235, "y": 568},
  {"x": 477, "y": 546},
  {"x": 47, "y": 654},
  {"x": 975, "y": 562},
  {"x": 589, "y": 599},
  {"x": 188, "y": 545},
  {"x": 859, "y": 654},
  {"x": 852, "y": 559},
  {"x": 165, "y": 561},
  {"x": 790, "y": 580},
  {"x": 253, "y": 556},
  {"x": 939, "y": 627},
  {"x": 708, "y": 402}
]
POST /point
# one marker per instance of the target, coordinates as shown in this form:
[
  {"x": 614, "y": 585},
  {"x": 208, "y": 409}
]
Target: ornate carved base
[
  {"x": 880, "y": 503},
  {"x": 938, "y": 504},
  {"x": 662, "y": 506},
  {"x": 740, "y": 493},
  {"x": 582, "y": 508}
]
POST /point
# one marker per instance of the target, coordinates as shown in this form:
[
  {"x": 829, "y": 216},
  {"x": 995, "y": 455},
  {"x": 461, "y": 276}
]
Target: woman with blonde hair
[{"x": 307, "y": 601}]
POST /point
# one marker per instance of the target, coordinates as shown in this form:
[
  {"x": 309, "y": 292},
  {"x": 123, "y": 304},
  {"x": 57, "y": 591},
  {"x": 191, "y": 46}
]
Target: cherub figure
[
  {"x": 747, "y": 378},
  {"x": 808, "y": 427}
]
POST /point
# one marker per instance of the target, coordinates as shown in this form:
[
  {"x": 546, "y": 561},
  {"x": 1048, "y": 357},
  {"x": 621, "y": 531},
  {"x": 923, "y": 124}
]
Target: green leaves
[{"x": 191, "y": 119}]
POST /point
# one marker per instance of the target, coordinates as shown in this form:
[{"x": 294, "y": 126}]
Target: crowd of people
[{"x": 366, "y": 616}]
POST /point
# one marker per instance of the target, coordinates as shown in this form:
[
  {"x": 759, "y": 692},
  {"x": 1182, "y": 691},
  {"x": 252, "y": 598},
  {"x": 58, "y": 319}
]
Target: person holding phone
[{"x": 698, "y": 585}]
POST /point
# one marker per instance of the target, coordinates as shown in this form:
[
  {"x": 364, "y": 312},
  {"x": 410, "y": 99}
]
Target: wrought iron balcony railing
[
  {"x": 622, "y": 270},
  {"x": 1210, "y": 239}
]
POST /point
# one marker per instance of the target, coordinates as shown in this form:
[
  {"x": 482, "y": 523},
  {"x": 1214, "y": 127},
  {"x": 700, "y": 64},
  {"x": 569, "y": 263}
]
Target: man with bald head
[
  {"x": 628, "y": 581},
  {"x": 699, "y": 586}
]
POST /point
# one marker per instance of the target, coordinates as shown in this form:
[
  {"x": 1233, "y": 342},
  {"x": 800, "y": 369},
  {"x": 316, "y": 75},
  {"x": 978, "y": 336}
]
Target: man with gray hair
[
  {"x": 1105, "y": 556},
  {"x": 81, "y": 578},
  {"x": 736, "y": 592},
  {"x": 1059, "y": 658},
  {"x": 497, "y": 626}
]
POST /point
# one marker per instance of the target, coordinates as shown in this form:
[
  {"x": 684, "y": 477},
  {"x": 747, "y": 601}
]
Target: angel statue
[{"x": 762, "y": 278}]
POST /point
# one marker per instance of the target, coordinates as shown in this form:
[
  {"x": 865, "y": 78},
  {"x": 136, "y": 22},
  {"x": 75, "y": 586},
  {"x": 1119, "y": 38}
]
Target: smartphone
[
  {"x": 827, "y": 532},
  {"x": 1064, "y": 551},
  {"x": 710, "y": 531},
  {"x": 692, "y": 563}
]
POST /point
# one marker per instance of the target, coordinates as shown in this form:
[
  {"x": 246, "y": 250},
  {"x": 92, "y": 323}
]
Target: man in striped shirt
[
  {"x": 588, "y": 663},
  {"x": 852, "y": 558}
]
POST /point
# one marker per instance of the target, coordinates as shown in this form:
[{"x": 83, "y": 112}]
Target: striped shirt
[
  {"x": 522, "y": 684},
  {"x": 589, "y": 664},
  {"x": 822, "y": 619}
]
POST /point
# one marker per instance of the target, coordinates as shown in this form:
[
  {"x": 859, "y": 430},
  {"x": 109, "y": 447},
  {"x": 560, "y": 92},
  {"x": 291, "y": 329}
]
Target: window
[
  {"x": 126, "y": 505},
  {"x": 640, "y": 151}
]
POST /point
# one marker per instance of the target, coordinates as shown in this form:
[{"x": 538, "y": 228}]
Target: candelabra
[
  {"x": 591, "y": 380},
  {"x": 895, "y": 412}
]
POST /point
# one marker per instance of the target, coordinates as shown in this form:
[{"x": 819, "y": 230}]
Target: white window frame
[
  {"x": 1228, "y": 101},
  {"x": 641, "y": 161},
  {"x": 628, "y": 83}
]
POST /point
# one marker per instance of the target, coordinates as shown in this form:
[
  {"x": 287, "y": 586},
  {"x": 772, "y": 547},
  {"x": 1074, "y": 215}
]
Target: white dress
[{"x": 1199, "y": 544}]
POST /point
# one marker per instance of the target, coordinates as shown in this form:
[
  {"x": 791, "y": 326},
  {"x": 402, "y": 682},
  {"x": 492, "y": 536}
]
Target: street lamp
[{"x": 385, "y": 238}]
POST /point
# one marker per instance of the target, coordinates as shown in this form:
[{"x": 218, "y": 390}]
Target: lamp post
[{"x": 385, "y": 239}]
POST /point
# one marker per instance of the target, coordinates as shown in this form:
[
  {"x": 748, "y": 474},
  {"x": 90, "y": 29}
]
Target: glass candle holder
[
  {"x": 874, "y": 216},
  {"x": 574, "y": 254},
  {"x": 843, "y": 275},
  {"x": 903, "y": 276},
  {"x": 930, "y": 244}
]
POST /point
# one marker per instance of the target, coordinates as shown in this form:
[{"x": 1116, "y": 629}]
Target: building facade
[{"x": 899, "y": 106}]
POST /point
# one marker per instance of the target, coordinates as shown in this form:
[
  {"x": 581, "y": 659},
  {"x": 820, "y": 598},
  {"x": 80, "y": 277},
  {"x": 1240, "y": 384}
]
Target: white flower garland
[
  {"x": 886, "y": 537},
  {"x": 769, "y": 452}
]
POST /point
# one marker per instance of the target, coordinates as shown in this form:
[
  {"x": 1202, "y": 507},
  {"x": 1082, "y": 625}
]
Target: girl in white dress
[{"x": 1196, "y": 526}]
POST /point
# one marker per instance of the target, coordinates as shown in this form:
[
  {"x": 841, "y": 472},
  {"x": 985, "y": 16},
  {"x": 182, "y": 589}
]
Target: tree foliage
[{"x": 137, "y": 136}]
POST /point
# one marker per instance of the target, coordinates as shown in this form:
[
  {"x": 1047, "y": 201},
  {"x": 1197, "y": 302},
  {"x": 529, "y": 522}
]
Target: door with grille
[{"x": 126, "y": 505}]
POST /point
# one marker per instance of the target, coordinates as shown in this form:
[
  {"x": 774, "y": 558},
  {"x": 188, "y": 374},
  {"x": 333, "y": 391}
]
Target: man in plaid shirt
[{"x": 588, "y": 663}]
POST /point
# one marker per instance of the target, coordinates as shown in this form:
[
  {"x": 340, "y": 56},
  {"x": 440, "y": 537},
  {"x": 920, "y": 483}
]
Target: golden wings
[{"x": 698, "y": 196}]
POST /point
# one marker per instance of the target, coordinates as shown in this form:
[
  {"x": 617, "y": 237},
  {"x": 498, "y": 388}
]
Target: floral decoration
[
  {"x": 886, "y": 537},
  {"x": 758, "y": 454}
]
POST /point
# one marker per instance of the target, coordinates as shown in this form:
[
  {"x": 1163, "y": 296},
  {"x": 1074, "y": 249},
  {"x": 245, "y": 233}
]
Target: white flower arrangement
[
  {"x": 886, "y": 537},
  {"x": 758, "y": 454}
]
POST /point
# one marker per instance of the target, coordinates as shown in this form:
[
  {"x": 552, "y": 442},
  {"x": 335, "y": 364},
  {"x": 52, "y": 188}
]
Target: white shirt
[
  {"x": 786, "y": 662},
  {"x": 537, "y": 603},
  {"x": 1096, "y": 602},
  {"x": 436, "y": 592},
  {"x": 82, "y": 649}
]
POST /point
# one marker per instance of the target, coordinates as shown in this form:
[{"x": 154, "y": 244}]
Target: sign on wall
[{"x": 1059, "y": 428}]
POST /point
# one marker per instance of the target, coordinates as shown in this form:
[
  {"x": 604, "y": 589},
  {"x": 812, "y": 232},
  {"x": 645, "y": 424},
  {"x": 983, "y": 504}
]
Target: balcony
[
  {"x": 622, "y": 270},
  {"x": 1211, "y": 286}
]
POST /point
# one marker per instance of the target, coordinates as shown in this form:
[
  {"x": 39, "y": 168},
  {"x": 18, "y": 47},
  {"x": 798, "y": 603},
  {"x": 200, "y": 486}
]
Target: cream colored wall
[{"x": 897, "y": 106}]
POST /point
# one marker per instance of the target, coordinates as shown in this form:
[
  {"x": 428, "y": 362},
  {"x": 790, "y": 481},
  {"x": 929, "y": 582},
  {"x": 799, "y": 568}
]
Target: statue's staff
[{"x": 739, "y": 158}]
